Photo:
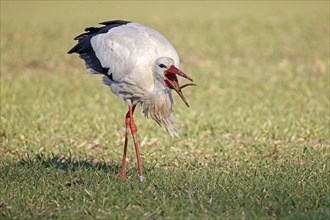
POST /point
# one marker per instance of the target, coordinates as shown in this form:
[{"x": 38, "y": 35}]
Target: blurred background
[{"x": 261, "y": 70}]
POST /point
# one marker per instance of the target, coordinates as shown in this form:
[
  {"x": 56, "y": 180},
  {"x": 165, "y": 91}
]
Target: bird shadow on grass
[{"x": 67, "y": 163}]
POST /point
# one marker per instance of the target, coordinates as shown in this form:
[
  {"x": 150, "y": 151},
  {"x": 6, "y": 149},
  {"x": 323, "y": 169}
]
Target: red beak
[{"x": 171, "y": 81}]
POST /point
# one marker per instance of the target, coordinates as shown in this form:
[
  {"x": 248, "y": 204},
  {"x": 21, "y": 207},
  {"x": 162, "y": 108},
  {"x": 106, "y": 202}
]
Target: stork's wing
[
  {"x": 85, "y": 49},
  {"x": 120, "y": 47}
]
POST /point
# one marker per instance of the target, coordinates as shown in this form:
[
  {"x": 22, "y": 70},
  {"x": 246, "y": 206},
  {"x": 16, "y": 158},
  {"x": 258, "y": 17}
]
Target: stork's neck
[{"x": 158, "y": 105}]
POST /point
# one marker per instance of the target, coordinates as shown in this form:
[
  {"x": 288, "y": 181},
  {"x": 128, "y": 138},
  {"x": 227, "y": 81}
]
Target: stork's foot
[
  {"x": 122, "y": 176},
  {"x": 141, "y": 178}
]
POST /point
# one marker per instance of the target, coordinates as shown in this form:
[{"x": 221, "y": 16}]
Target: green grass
[{"x": 254, "y": 144}]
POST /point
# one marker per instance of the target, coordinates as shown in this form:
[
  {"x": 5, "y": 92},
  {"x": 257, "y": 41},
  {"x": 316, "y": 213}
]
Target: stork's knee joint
[{"x": 133, "y": 128}]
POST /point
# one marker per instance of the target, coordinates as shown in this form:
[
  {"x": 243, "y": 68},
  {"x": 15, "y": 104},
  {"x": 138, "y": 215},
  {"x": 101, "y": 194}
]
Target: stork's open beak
[{"x": 171, "y": 81}]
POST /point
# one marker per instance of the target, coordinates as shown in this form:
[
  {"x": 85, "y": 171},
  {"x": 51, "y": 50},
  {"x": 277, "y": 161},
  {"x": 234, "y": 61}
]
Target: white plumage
[
  {"x": 139, "y": 65},
  {"x": 119, "y": 48}
]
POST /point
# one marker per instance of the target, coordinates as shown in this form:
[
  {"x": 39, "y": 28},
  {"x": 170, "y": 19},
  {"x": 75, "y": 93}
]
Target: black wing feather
[{"x": 85, "y": 49}]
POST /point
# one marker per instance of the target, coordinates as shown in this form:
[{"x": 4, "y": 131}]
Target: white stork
[{"x": 140, "y": 66}]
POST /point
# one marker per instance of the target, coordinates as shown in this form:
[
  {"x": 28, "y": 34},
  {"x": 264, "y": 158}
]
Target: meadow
[{"x": 254, "y": 143}]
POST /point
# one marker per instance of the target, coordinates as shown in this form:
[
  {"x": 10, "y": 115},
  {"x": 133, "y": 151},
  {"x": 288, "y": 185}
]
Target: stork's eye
[{"x": 162, "y": 65}]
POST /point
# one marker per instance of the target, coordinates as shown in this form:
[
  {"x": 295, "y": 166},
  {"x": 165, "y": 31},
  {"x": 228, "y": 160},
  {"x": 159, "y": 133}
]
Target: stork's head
[{"x": 165, "y": 71}]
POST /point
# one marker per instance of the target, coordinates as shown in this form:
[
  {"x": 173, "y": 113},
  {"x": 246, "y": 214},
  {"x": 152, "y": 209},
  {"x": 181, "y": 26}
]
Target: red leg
[
  {"x": 136, "y": 144},
  {"x": 122, "y": 173}
]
